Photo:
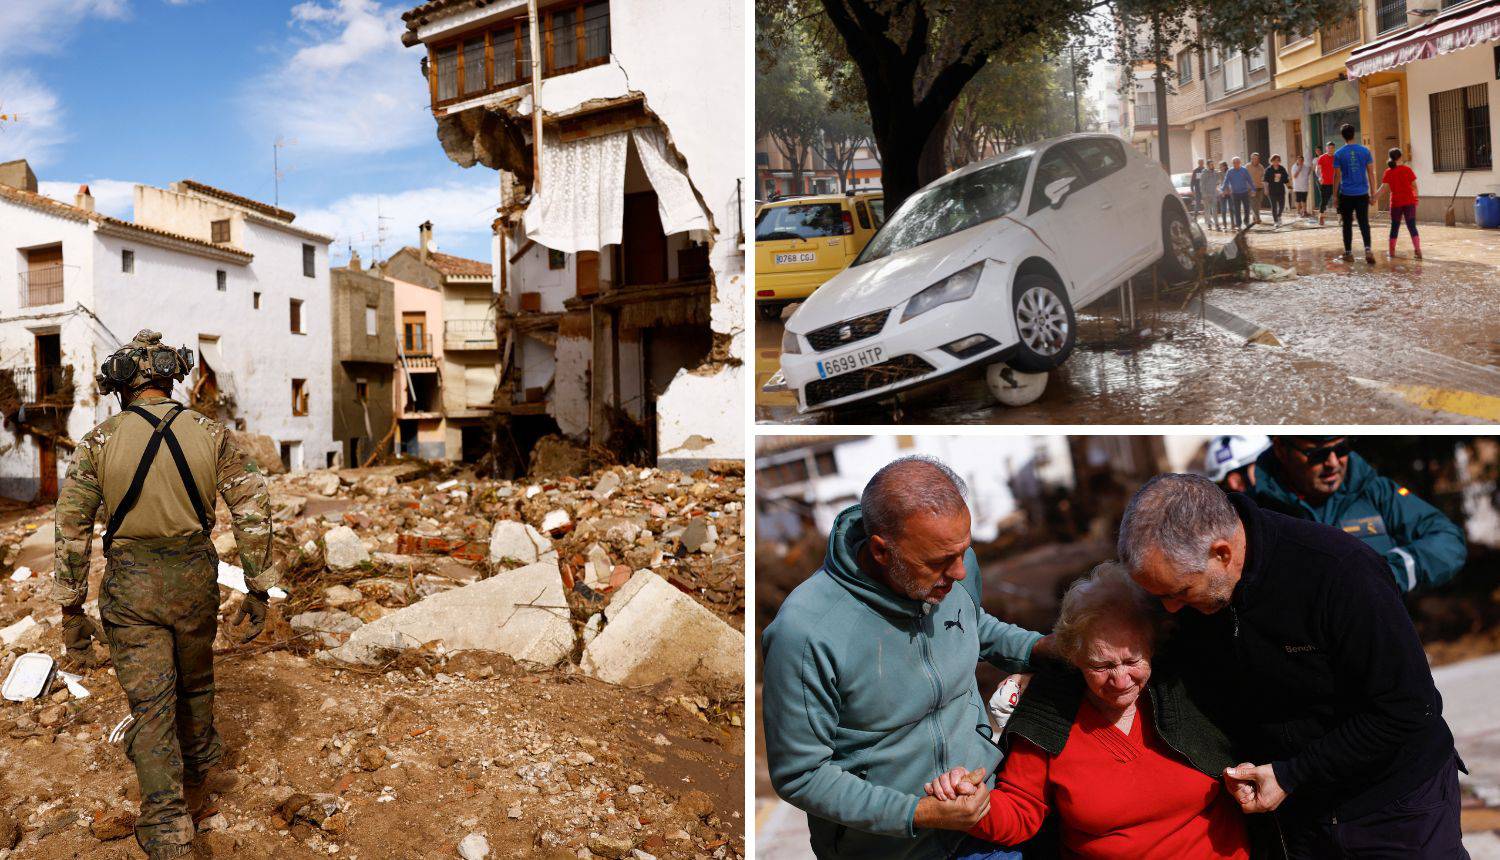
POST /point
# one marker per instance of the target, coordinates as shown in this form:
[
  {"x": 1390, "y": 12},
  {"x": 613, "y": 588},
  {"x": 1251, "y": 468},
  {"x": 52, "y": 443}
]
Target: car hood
[{"x": 894, "y": 278}]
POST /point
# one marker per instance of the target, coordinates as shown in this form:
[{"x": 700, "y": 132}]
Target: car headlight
[
  {"x": 789, "y": 345},
  {"x": 954, "y": 288}
]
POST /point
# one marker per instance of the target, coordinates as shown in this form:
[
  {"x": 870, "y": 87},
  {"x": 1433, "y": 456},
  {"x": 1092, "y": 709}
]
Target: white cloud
[
  {"x": 349, "y": 88},
  {"x": 43, "y": 26},
  {"x": 460, "y": 213},
  {"x": 35, "y": 129},
  {"x": 114, "y": 197}
]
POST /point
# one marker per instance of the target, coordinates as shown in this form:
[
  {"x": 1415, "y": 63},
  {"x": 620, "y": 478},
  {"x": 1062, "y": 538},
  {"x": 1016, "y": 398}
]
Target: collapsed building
[
  {"x": 232, "y": 278},
  {"x": 619, "y": 246}
]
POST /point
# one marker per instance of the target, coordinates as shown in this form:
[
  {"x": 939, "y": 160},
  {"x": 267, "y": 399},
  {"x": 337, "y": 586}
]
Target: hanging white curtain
[
  {"x": 581, "y": 204},
  {"x": 675, "y": 200}
]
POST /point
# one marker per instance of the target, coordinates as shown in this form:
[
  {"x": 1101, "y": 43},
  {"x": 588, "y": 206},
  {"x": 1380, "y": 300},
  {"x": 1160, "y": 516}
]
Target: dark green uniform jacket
[{"x": 1422, "y": 546}]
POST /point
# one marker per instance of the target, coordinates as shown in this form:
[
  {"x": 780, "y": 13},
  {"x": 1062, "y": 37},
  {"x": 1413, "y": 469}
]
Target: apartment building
[
  {"x": 364, "y": 357},
  {"x": 619, "y": 246},
  {"x": 230, "y": 277},
  {"x": 469, "y": 352}
]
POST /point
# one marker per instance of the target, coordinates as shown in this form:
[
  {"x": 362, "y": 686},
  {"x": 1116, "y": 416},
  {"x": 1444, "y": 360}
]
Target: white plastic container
[{"x": 30, "y": 678}]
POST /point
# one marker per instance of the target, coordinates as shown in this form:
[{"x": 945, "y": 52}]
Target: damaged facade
[
  {"x": 619, "y": 247},
  {"x": 364, "y": 355},
  {"x": 231, "y": 278}
]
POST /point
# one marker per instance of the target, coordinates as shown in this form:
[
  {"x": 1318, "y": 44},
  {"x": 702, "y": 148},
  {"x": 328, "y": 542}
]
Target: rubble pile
[{"x": 460, "y": 668}]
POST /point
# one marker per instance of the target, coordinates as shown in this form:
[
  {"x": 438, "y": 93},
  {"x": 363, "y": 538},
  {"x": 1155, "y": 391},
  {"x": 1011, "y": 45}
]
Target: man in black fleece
[{"x": 1301, "y": 649}]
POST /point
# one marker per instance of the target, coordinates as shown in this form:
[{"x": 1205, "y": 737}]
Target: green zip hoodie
[{"x": 869, "y": 694}]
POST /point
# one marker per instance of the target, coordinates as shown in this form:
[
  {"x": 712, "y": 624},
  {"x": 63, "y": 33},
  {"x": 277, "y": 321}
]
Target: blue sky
[{"x": 117, "y": 92}]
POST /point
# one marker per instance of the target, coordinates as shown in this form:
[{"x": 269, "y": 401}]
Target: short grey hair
[
  {"x": 907, "y": 486},
  {"x": 1181, "y": 516},
  {"x": 1106, "y": 593}
]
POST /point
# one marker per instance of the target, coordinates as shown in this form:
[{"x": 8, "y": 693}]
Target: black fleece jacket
[{"x": 1315, "y": 667}]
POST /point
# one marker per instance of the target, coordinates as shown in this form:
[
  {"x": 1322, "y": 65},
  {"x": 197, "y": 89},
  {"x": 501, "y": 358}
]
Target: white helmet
[{"x": 1227, "y": 453}]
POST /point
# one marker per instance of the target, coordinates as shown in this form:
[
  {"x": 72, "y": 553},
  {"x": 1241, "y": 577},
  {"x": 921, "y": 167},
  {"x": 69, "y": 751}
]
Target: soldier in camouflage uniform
[{"x": 159, "y": 597}]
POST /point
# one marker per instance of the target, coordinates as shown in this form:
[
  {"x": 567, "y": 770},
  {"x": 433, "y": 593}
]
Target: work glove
[
  {"x": 79, "y": 632},
  {"x": 252, "y": 614}
]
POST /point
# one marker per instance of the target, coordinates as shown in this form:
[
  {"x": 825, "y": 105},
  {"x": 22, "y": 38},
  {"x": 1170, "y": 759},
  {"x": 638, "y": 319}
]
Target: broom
[{"x": 1449, "y": 218}]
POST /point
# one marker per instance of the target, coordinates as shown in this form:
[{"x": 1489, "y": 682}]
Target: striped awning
[{"x": 1462, "y": 28}]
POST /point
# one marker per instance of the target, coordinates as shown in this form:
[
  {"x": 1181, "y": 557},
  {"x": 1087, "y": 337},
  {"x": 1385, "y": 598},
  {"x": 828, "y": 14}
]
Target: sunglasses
[{"x": 1320, "y": 454}]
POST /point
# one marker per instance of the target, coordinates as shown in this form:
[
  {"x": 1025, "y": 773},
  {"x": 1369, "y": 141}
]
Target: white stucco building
[
  {"x": 621, "y": 266},
  {"x": 229, "y": 277}
]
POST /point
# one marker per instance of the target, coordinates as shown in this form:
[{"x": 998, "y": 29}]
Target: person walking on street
[
  {"x": 1300, "y": 171},
  {"x": 1239, "y": 184},
  {"x": 1196, "y": 183},
  {"x": 1276, "y": 179},
  {"x": 1209, "y": 182},
  {"x": 159, "y": 600},
  {"x": 1354, "y": 178},
  {"x": 1401, "y": 182},
  {"x": 1325, "y": 181},
  {"x": 1257, "y": 170}
]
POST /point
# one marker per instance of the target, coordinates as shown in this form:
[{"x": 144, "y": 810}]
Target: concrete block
[
  {"x": 519, "y": 542},
  {"x": 344, "y": 549},
  {"x": 522, "y": 613},
  {"x": 654, "y": 632}
]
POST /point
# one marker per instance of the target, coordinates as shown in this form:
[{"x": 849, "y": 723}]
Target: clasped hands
[
  {"x": 1254, "y": 787},
  {"x": 955, "y": 800}
]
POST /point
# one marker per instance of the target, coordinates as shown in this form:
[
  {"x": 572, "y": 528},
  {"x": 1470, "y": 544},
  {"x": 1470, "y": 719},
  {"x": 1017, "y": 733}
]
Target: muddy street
[{"x": 1405, "y": 341}]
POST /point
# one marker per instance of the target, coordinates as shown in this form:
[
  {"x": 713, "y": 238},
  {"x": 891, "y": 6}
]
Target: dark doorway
[
  {"x": 1258, "y": 139},
  {"x": 643, "y": 245},
  {"x": 48, "y": 366},
  {"x": 664, "y": 351},
  {"x": 475, "y": 440},
  {"x": 46, "y": 470}
]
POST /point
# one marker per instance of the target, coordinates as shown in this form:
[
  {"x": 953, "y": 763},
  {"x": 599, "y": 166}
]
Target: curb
[{"x": 1250, "y": 330}]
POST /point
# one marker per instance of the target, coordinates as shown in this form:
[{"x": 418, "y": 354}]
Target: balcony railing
[
  {"x": 32, "y": 386},
  {"x": 1340, "y": 35},
  {"x": 469, "y": 334},
  {"x": 1390, "y": 15},
  {"x": 42, "y": 286}
]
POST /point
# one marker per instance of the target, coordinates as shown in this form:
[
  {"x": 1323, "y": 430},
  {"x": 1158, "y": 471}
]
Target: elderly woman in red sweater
[{"x": 1131, "y": 767}]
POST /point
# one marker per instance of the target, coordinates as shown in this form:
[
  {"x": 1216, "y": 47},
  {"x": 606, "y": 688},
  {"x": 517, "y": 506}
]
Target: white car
[{"x": 984, "y": 267}]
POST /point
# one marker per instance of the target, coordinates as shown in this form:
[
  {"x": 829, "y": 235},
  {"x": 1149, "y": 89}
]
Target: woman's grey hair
[
  {"x": 1106, "y": 593},
  {"x": 1180, "y": 515},
  {"x": 907, "y": 486}
]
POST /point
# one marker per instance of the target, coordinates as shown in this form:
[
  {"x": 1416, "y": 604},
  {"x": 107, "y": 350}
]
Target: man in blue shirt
[
  {"x": 1353, "y": 178},
  {"x": 1239, "y": 185}
]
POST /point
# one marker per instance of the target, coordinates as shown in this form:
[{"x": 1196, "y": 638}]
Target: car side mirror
[{"x": 1057, "y": 190}]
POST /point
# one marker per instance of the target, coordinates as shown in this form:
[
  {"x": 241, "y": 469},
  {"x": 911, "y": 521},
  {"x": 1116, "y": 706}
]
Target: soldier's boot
[{"x": 200, "y": 795}]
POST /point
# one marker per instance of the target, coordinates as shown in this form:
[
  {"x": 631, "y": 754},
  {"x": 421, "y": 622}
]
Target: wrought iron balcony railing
[
  {"x": 32, "y": 386},
  {"x": 43, "y": 285}
]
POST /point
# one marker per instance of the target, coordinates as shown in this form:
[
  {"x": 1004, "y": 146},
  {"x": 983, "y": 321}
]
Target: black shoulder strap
[
  {"x": 204, "y": 513},
  {"x": 161, "y": 430}
]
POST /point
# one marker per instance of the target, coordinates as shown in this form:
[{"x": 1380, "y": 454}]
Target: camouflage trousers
[{"x": 159, "y": 604}]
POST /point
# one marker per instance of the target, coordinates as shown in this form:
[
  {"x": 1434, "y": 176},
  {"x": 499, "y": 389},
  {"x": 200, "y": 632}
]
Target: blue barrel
[{"x": 1487, "y": 210}]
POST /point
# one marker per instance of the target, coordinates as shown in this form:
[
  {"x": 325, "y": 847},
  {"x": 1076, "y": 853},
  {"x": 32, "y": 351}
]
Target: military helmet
[{"x": 142, "y": 362}]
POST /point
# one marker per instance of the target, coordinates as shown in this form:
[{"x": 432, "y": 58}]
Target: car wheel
[
  {"x": 1179, "y": 258},
  {"x": 769, "y": 311},
  {"x": 1045, "y": 327},
  {"x": 1013, "y": 387}
]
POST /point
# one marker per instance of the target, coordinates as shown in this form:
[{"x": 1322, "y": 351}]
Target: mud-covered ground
[
  {"x": 408, "y": 759},
  {"x": 1403, "y": 342}
]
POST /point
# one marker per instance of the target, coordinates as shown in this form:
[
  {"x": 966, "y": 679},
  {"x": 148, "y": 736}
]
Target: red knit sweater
[{"x": 1117, "y": 796}]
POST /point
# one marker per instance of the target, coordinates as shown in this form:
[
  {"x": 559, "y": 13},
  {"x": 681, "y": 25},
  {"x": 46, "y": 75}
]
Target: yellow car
[{"x": 801, "y": 242}]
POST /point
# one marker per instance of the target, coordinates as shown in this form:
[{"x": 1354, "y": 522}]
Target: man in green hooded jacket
[
  {"x": 1320, "y": 478},
  {"x": 156, "y": 470},
  {"x": 869, "y": 685}
]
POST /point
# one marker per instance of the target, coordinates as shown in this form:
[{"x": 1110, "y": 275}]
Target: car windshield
[
  {"x": 1182, "y": 180},
  {"x": 800, "y": 221},
  {"x": 948, "y": 207}
]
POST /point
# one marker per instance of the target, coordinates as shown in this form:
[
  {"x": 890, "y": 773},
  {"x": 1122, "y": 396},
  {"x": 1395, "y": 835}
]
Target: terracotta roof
[
  {"x": 46, "y": 204},
  {"x": 230, "y": 197},
  {"x": 64, "y": 210},
  {"x": 428, "y": 8},
  {"x": 450, "y": 266}
]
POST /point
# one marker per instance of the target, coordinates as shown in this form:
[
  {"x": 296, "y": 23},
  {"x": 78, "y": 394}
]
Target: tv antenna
[
  {"x": 276, "y": 171},
  {"x": 380, "y": 228}
]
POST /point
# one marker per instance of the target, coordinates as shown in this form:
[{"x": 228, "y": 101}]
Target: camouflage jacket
[{"x": 101, "y": 472}]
